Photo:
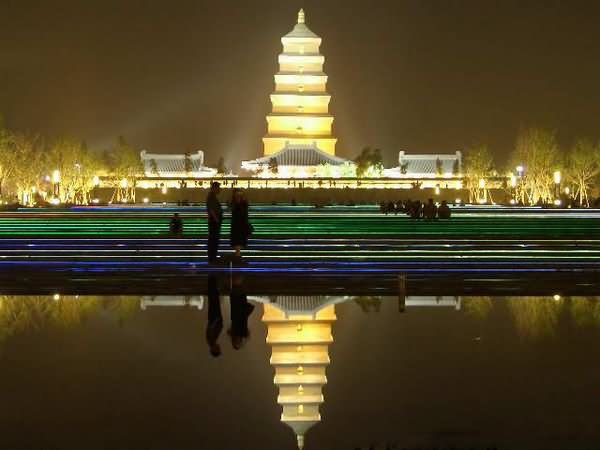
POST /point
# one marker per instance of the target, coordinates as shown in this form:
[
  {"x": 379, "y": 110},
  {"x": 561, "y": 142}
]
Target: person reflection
[
  {"x": 241, "y": 309},
  {"x": 214, "y": 325}
]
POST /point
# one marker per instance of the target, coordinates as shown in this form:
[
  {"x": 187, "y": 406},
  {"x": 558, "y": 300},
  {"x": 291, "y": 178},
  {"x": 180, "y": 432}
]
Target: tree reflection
[
  {"x": 26, "y": 314},
  {"x": 368, "y": 304},
  {"x": 477, "y": 307},
  {"x": 535, "y": 317}
]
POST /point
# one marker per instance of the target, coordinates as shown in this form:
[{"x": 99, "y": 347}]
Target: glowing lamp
[
  {"x": 146, "y": 200},
  {"x": 556, "y": 177},
  {"x": 124, "y": 183},
  {"x": 56, "y": 176},
  {"x": 96, "y": 180}
]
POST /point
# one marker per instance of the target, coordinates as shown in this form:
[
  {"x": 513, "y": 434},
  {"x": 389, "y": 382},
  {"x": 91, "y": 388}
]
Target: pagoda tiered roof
[{"x": 301, "y": 156}]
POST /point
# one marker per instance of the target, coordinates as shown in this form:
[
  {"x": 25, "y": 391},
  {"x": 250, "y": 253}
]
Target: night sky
[{"x": 423, "y": 76}]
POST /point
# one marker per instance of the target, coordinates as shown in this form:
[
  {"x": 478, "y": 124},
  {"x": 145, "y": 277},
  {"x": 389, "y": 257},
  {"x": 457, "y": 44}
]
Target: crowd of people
[{"x": 417, "y": 210}]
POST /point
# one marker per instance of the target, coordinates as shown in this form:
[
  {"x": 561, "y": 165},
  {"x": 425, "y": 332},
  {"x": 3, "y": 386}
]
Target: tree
[
  {"x": 29, "y": 166},
  {"x": 456, "y": 168},
  {"x": 583, "y": 168},
  {"x": 188, "y": 166},
  {"x": 369, "y": 163},
  {"x": 77, "y": 167},
  {"x": 439, "y": 167},
  {"x": 273, "y": 166},
  {"x": 8, "y": 158},
  {"x": 479, "y": 165},
  {"x": 154, "y": 168},
  {"x": 538, "y": 152},
  {"x": 125, "y": 167},
  {"x": 221, "y": 168}
]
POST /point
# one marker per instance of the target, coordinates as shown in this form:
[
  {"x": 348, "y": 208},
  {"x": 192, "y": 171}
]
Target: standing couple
[{"x": 241, "y": 229}]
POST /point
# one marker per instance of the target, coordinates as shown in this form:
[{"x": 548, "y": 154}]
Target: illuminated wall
[
  {"x": 300, "y": 355},
  {"x": 300, "y": 102}
]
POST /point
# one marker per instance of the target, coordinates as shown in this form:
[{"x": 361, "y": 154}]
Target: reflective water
[{"x": 131, "y": 372}]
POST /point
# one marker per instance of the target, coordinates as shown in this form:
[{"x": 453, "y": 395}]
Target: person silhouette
[
  {"x": 214, "y": 325},
  {"x": 241, "y": 310}
]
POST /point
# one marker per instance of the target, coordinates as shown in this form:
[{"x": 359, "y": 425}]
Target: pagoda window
[
  {"x": 301, "y": 88},
  {"x": 300, "y": 109},
  {"x": 299, "y": 130},
  {"x": 302, "y": 49}
]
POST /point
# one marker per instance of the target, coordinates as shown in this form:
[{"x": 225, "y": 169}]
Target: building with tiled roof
[{"x": 175, "y": 165}]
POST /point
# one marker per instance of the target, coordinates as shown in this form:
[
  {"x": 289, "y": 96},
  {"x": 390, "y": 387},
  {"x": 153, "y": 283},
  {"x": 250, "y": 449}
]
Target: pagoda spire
[{"x": 301, "y": 16}]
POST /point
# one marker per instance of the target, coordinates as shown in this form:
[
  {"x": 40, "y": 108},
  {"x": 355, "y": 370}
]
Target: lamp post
[
  {"x": 519, "y": 182},
  {"x": 483, "y": 196},
  {"x": 56, "y": 183},
  {"x": 513, "y": 187},
  {"x": 557, "y": 178}
]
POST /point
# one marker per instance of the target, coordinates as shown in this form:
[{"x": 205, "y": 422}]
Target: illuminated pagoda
[
  {"x": 299, "y": 133},
  {"x": 300, "y": 339}
]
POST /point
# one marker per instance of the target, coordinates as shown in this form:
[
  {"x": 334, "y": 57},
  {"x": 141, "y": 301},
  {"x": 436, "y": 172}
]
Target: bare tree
[
  {"x": 538, "y": 152},
  {"x": 583, "y": 168},
  {"x": 479, "y": 165},
  {"x": 29, "y": 169},
  {"x": 8, "y": 158}
]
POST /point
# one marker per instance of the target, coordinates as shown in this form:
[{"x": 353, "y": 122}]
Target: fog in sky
[{"x": 183, "y": 75}]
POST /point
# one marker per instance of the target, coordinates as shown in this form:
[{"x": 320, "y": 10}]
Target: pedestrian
[
  {"x": 240, "y": 225},
  {"x": 215, "y": 217},
  {"x": 430, "y": 210}
]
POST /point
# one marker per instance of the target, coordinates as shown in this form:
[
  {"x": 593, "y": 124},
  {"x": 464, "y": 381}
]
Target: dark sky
[{"x": 189, "y": 74}]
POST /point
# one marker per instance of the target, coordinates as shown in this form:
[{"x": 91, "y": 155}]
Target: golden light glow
[
  {"x": 299, "y": 375},
  {"x": 300, "y": 113}
]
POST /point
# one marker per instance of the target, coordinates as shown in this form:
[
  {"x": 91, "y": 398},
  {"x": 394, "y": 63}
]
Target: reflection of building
[
  {"x": 300, "y": 341},
  {"x": 182, "y": 165},
  {"x": 299, "y": 126},
  {"x": 196, "y": 301}
]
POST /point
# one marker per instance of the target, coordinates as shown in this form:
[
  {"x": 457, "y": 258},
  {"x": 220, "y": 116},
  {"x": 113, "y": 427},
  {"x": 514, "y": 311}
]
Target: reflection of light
[
  {"x": 556, "y": 297},
  {"x": 56, "y": 297},
  {"x": 300, "y": 342},
  {"x": 96, "y": 201},
  {"x": 56, "y": 176},
  {"x": 513, "y": 181}
]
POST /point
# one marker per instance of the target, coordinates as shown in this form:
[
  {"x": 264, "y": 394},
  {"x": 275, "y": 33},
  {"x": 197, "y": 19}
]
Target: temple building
[
  {"x": 433, "y": 169},
  {"x": 299, "y": 135},
  {"x": 175, "y": 165}
]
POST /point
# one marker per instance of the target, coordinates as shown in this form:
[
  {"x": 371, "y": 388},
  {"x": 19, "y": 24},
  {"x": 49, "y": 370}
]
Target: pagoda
[{"x": 300, "y": 342}]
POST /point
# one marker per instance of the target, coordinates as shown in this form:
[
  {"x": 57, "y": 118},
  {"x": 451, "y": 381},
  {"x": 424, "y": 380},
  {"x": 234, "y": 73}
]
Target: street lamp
[
  {"x": 56, "y": 182},
  {"x": 557, "y": 178},
  {"x": 483, "y": 198}
]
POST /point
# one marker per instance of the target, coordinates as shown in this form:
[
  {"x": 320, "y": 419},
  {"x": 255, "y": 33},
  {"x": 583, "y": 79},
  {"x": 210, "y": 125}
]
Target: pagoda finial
[{"x": 301, "y": 16}]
